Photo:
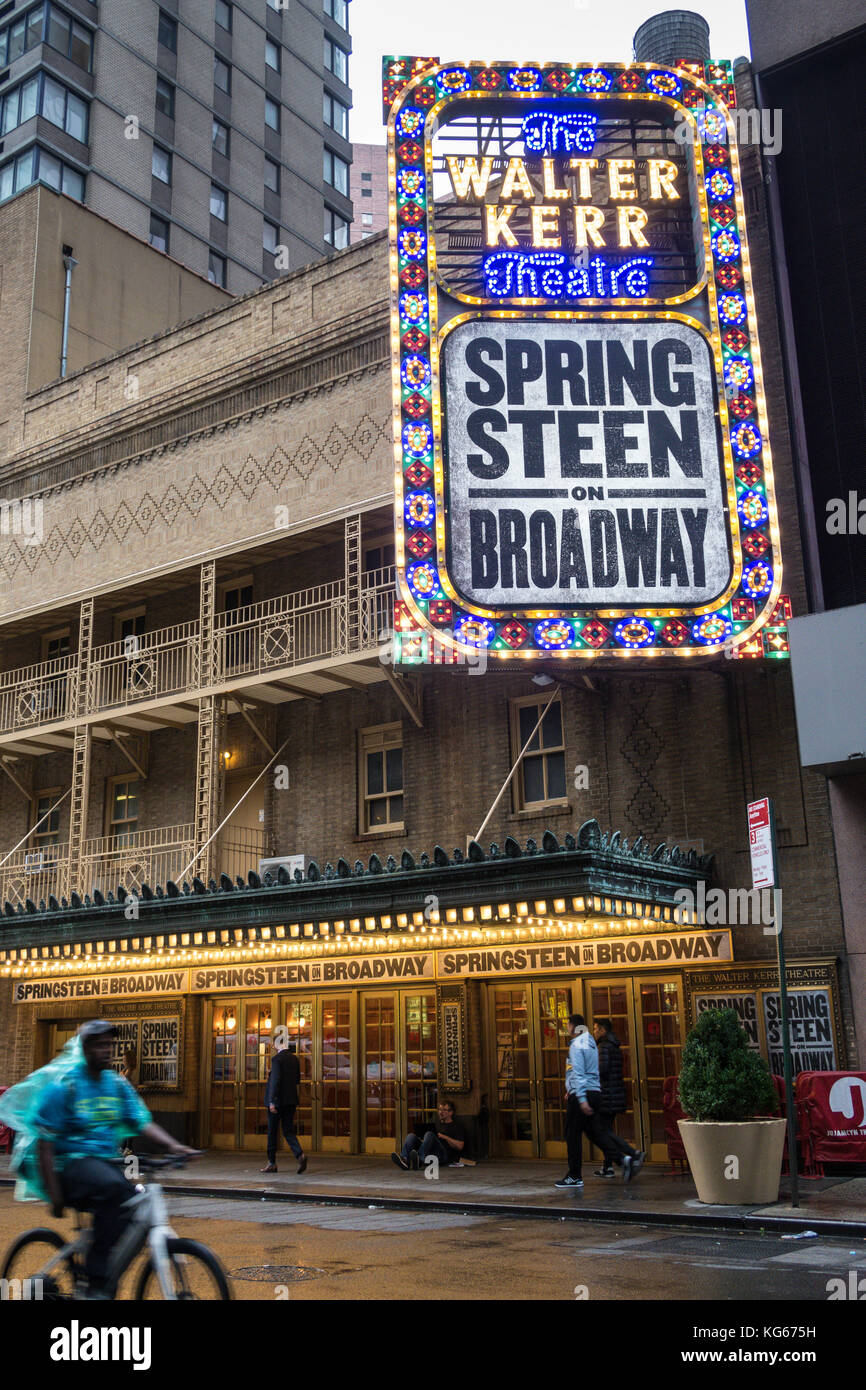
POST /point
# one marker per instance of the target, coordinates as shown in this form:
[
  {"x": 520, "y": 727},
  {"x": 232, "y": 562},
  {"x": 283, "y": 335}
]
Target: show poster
[
  {"x": 810, "y": 1029},
  {"x": 583, "y": 464},
  {"x": 745, "y": 1006}
]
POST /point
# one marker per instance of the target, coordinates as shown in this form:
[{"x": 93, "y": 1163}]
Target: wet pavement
[
  {"x": 321, "y": 1252},
  {"x": 515, "y": 1187}
]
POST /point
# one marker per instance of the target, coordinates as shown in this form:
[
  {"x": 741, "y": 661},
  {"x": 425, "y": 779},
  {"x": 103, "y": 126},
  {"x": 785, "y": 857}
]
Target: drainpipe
[{"x": 69, "y": 262}]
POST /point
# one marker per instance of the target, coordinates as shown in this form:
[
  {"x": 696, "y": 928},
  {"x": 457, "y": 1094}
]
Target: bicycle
[{"x": 177, "y": 1269}]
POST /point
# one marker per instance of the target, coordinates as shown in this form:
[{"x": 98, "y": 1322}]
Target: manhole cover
[{"x": 276, "y": 1274}]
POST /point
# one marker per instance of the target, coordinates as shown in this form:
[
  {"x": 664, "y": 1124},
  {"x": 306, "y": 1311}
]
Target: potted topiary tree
[{"x": 723, "y": 1085}]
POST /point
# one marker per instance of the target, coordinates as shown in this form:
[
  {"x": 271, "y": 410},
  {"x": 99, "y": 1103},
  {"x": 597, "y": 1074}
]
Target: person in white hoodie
[{"x": 583, "y": 1108}]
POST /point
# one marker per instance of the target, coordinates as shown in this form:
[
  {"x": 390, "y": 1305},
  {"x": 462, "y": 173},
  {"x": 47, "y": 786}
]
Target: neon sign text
[{"x": 552, "y": 275}]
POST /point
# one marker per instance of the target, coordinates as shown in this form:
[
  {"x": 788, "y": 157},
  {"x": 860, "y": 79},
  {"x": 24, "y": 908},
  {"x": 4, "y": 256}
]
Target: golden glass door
[
  {"x": 513, "y": 1127},
  {"x": 224, "y": 1073},
  {"x": 297, "y": 1017},
  {"x": 553, "y": 1004},
  {"x": 529, "y": 1041},
  {"x": 614, "y": 999},
  {"x": 419, "y": 1082},
  {"x": 320, "y": 1032},
  {"x": 661, "y": 1044},
  {"x": 379, "y": 1034},
  {"x": 258, "y": 1053},
  {"x": 647, "y": 1018},
  {"x": 400, "y": 1067},
  {"x": 334, "y": 1079}
]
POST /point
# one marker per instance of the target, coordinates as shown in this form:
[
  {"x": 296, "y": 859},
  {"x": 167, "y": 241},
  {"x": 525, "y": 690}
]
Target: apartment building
[
  {"x": 369, "y": 189},
  {"x": 215, "y": 131}
]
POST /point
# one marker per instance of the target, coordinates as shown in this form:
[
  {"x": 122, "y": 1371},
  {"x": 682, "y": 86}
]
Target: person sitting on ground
[{"x": 446, "y": 1142}]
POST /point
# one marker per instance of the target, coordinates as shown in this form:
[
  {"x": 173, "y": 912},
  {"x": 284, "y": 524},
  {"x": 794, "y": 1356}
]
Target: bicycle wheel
[
  {"x": 26, "y": 1257},
  {"x": 195, "y": 1272}
]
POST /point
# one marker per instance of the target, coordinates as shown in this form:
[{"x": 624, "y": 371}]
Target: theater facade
[
  {"x": 410, "y": 980},
  {"x": 298, "y": 728}
]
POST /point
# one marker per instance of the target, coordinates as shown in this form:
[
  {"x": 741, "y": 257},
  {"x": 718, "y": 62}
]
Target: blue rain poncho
[{"x": 19, "y": 1108}]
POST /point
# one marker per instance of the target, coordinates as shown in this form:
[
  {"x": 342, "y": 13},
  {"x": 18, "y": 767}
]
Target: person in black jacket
[
  {"x": 281, "y": 1098},
  {"x": 613, "y": 1099}
]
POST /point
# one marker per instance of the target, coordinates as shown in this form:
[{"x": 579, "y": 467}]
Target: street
[{"x": 320, "y": 1252}]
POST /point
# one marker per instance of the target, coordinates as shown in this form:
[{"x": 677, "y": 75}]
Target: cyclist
[{"x": 81, "y": 1120}]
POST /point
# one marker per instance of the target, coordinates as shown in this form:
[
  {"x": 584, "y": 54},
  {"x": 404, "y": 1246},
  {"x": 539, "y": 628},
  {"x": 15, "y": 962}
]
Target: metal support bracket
[{"x": 409, "y": 694}]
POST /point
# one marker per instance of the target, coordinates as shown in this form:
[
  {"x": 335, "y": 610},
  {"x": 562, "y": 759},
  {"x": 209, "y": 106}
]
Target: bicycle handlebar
[{"x": 152, "y": 1162}]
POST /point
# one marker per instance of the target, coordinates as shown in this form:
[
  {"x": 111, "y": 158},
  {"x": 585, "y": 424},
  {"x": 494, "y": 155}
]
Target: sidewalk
[{"x": 515, "y": 1187}]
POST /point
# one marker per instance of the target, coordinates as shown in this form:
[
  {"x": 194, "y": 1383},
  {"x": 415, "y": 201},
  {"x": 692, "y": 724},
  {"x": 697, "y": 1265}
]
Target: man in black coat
[
  {"x": 613, "y": 1098},
  {"x": 281, "y": 1098}
]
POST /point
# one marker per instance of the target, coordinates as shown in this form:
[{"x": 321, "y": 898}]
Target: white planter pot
[{"x": 736, "y": 1163}]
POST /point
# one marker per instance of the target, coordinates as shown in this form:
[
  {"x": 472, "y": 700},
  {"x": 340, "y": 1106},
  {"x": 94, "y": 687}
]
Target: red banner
[{"x": 833, "y": 1107}]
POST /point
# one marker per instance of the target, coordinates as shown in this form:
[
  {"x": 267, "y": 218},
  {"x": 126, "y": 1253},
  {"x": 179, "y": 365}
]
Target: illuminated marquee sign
[{"x": 580, "y": 431}]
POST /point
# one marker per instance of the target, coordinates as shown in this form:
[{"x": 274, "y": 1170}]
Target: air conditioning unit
[
  {"x": 289, "y": 862},
  {"x": 34, "y": 862}
]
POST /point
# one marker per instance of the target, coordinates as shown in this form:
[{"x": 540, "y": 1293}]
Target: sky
[{"x": 565, "y": 30}]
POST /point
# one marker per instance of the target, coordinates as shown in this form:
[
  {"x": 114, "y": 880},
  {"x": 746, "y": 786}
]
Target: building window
[
  {"x": 158, "y": 233},
  {"x": 270, "y": 237},
  {"x": 378, "y": 557},
  {"x": 167, "y": 33},
  {"x": 56, "y": 644},
  {"x": 165, "y": 97},
  {"x": 218, "y": 201},
  {"x": 272, "y": 54},
  {"x": 336, "y": 171},
  {"x": 272, "y": 175},
  {"x": 81, "y": 46},
  {"x": 366, "y": 176},
  {"x": 45, "y": 97},
  {"x": 224, "y": 15},
  {"x": 381, "y": 778},
  {"x": 48, "y": 830},
  {"x": 222, "y": 75},
  {"x": 336, "y": 229},
  {"x": 64, "y": 109},
  {"x": 336, "y": 60},
  {"x": 541, "y": 776},
  {"x": 220, "y": 138},
  {"x": 338, "y": 11},
  {"x": 122, "y": 802},
  {"x": 336, "y": 115},
  {"x": 160, "y": 164},
  {"x": 366, "y": 219},
  {"x": 21, "y": 35},
  {"x": 38, "y": 166},
  {"x": 366, "y": 192},
  {"x": 20, "y": 105},
  {"x": 272, "y": 113},
  {"x": 216, "y": 269},
  {"x": 63, "y": 33},
  {"x": 129, "y": 624}
]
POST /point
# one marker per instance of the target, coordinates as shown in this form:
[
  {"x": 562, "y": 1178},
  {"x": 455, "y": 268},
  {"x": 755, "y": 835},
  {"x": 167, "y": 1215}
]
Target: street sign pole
[
  {"x": 793, "y": 1167},
  {"x": 765, "y": 874}
]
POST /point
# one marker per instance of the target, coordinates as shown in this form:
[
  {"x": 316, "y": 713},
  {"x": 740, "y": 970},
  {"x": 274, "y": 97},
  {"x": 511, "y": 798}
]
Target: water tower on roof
[{"x": 673, "y": 34}]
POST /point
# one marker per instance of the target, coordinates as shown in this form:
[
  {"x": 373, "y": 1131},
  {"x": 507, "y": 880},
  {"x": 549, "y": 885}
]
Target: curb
[{"x": 719, "y": 1221}]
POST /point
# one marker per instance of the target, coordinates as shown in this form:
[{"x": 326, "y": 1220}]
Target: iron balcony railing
[
  {"x": 278, "y": 634},
  {"x": 128, "y": 860}
]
